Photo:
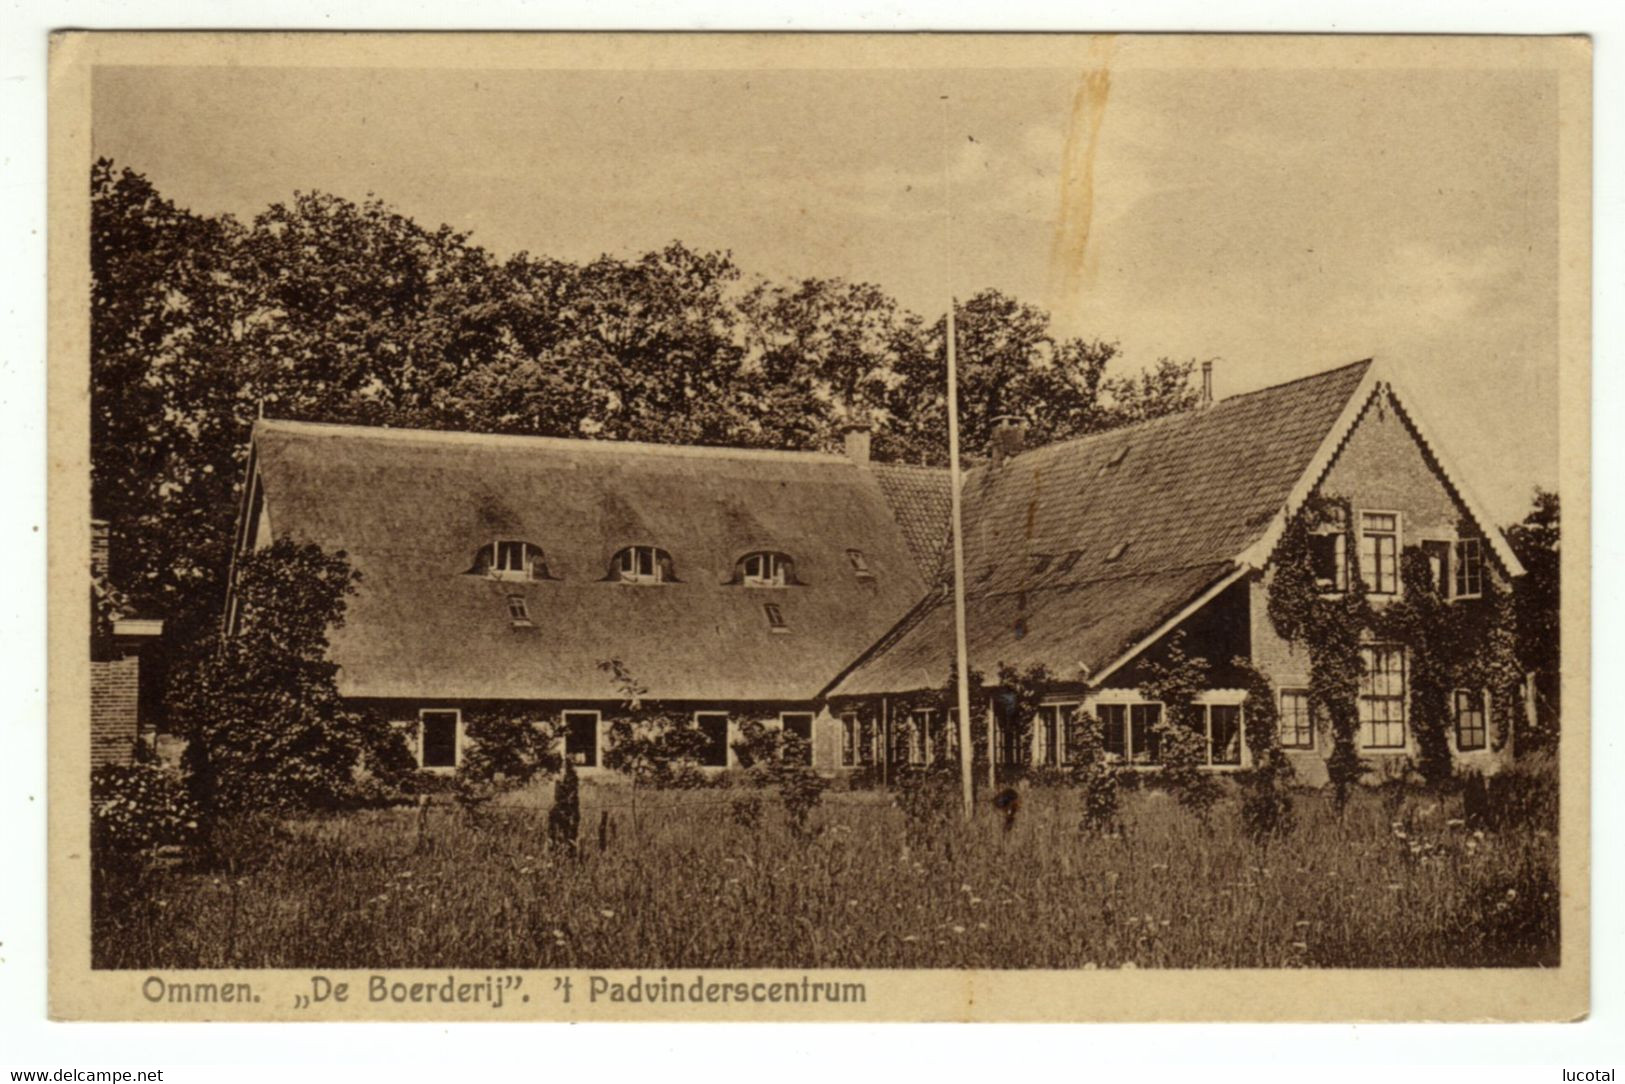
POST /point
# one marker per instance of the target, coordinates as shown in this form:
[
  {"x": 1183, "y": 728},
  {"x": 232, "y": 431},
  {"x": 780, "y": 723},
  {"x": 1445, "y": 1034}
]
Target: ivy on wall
[{"x": 1465, "y": 644}]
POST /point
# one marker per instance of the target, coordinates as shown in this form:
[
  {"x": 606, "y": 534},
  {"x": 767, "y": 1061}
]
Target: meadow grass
[{"x": 1396, "y": 881}]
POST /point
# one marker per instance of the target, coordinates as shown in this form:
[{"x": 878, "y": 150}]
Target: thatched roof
[
  {"x": 411, "y": 508},
  {"x": 1077, "y": 550}
]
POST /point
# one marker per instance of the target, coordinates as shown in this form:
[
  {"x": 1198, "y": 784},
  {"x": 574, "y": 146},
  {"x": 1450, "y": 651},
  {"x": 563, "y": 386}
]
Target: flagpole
[{"x": 961, "y": 651}]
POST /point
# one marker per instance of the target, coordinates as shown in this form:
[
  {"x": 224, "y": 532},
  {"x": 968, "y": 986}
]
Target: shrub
[
  {"x": 504, "y": 752},
  {"x": 564, "y": 819},
  {"x": 746, "y": 812},
  {"x": 1525, "y": 795},
  {"x": 1267, "y": 810},
  {"x": 930, "y": 799},
  {"x": 1095, "y": 777},
  {"x": 136, "y": 808},
  {"x": 780, "y": 759}
]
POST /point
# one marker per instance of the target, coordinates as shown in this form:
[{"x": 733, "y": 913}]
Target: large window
[
  {"x": 1379, "y": 552},
  {"x": 1382, "y": 697},
  {"x": 922, "y": 732},
  {"x": 642, "y": 564},
  {"x": 1129, "y": 731},
  {"x": 1471, "y": 733},
  {"x": 800, "y": 723},
  {"x": 714, "y": 725},
  {"x": 581, "y": 738},
  {"x": 438, "y": 739},
  {"x": 1469, "y": 568},
  {"x": 1296, "y": 722}
]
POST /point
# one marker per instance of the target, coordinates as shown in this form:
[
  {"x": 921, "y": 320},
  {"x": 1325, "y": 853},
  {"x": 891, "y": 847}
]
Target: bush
[
  {"x": 504, "y": 752},
  {"x": 1525, "y": 795},
  {"x": 564, "y": 819},
  {"x": 1095, "y": 776},
  {"x": 136, "y": 808}
]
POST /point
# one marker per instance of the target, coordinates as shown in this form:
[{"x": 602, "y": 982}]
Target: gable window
[
  {"x": 1438, "y": 557},
  {"x": 1297, "y": 725},
  {"x": 800, "y": 723},
  {"x": 775, "y": 617},
  {"x": 518, "y": 611},
  {"x": 1379, "y": 552},
  {"x": 766, "y": 570},
  {"x": 642, "y": 564},
  {"x": 1382, "y": 697},
  {"x": 438, "y": 738},
  {"x": 1471, "y": 732},
  {"x": 581, "y": 738},
  {"x": 859, "y": 563},
  {"x": 1469, "y": 578},
  {"x": 714, "y": 725},
  {"x": 1328, "y": 553},
  {"x": 1224, "y": 734}
]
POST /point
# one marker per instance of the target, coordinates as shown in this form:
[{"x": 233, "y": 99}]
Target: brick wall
[{"x": 115, "y": 692}]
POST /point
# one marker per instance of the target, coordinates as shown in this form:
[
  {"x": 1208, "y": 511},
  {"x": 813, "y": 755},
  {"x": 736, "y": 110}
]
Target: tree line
[{"x": 324, "y": 309}]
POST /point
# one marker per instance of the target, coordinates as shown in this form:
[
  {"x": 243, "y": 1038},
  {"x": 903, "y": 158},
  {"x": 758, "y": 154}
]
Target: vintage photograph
[{"x": 1087, "y": 505}]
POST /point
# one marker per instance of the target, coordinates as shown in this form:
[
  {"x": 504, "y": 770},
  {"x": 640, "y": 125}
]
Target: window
[
  {"x": 775, "y": 617},
  {"x": 800, "y": 723},
  {"x": 518, "y": 611},
  {"x": 1382, "y": 697},
  {"x": 714, "y": 725},
  {"x": 1469, "y": 568},
  {"x": 581, "y": 738},
  {"x": 510, "y": 559},
  {"x": 642, "y": 564},
  {"x": 1297, "y": 725},
  {"x": 851, "y": 739},
  {"x": 1470, "y": 731},
  {"x": 1328, "y": 553},
  {"x": 437, "y": 738},
  {"x": 766, "y": 570},
  {"x": 1379, "y": 552},
  {"x": 1438, "y": 555},
  {"x": 859, "y": 564},
  {"x": 922, "y": 728},
  {"x": 1054, "y": 720},
  {"x": 1129, "y": 731}
]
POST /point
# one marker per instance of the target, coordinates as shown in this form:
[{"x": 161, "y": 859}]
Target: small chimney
[
  {"x": 857, "y": 442},
  {"x": 98, "y": 549},
  {"x": 1009, "y": 437},
  {"x": 1207, "y": 383}
]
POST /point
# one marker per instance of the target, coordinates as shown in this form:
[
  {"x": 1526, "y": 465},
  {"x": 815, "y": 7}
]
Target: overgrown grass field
[{"x": 1396, "y": 881}]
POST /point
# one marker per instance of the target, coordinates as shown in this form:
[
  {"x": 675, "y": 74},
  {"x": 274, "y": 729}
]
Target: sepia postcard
[{"x": 819, "y": 527}]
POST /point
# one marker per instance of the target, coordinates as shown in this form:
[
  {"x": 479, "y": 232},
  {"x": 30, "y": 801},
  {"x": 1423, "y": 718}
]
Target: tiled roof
[
  {"x": 920, "y": 498},
  {"x": 412, "y": 508},
  {"x": 1077, "y": 549}
]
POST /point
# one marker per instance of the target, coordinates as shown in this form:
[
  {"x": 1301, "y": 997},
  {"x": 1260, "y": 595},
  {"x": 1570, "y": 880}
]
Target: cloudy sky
[{"x": 1279, "y": 221}]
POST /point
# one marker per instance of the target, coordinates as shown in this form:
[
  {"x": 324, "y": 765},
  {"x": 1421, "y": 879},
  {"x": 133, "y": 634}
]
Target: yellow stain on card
[{"x": 1070, "y": 247}]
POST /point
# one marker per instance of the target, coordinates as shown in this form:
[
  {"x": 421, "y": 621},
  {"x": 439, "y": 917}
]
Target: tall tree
[{"x": 1537, "y": 599}]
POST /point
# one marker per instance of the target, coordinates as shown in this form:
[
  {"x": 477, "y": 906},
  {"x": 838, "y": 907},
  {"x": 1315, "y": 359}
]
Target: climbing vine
[
  {"x": 1266, "y": 797},
  {"x": 1177, "y": 681},
  {"x": 1469, "y": 643}
]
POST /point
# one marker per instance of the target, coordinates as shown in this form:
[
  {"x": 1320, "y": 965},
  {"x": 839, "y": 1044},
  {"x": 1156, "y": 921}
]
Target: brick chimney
[
  {"x": 1009, "y": 437},
  {"x": 1207, "y": 383},
  {"x": 857, "y": 436}
]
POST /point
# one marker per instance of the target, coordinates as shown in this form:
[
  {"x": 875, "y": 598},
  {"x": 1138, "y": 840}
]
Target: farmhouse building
[{"x": 810, "y": 590}]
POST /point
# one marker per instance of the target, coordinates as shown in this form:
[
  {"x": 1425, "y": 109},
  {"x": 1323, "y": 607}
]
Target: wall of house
[
  {"x": 1381, "y": 467},
  {"x": 115, "y": 696}
]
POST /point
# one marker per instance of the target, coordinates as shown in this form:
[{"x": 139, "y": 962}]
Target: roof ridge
[{"x": 608, "y": 446}]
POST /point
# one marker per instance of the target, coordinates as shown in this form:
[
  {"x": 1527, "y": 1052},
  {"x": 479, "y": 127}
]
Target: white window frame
[
  {"x": 519, "y": 610},
  {"x": 1455, "y": 720},
  {"x": 860, "y": 564},
  {"x": 597, "y": 734},
  {"x": 1339, "y": 533},
  {"x": 771, "y": 610},
  {"x": 1280, "y": 717},
  {"x": 1459, "y": 565},
  {"x": 771, "y": 569},
  {"x": 635, "y": 573},
  {"x": 523, "y": 572},
  {"x": 851, "y": 739},
  {"x": 457, "y": 739},
  {"x": 1063, "y": 726},
  {"x": 1449, "y": 570},
  {"x": 727, "y": 736},
  {"x": 1367, "y": 568},
  {"x": 1404, "y": 698},
  {"x": 1128, "y": 700},
  {"x": 920, "y": 734}
]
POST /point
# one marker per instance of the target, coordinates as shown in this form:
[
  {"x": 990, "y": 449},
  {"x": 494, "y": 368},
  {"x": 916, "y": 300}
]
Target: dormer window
[
  {"x": 510, "y": 559},
  {"x": 766, "y": 569},
  {"x": 859, "y": 564},
  {"x": 642, "y": 564}
]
